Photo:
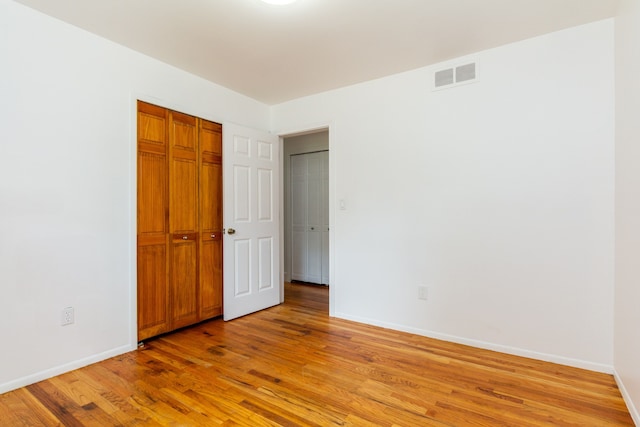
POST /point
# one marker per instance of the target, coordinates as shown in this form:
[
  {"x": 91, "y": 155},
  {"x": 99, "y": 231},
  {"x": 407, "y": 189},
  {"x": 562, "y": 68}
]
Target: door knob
[{"x": 231, "y": 231}]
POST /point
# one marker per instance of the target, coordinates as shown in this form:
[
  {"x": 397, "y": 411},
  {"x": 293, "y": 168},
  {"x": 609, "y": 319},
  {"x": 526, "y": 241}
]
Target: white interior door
[{"x": 251, "y": 247}]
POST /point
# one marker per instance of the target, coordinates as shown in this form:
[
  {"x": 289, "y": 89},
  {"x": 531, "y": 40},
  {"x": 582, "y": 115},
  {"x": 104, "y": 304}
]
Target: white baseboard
[
  {"x": 635, "y": 415},
  {"x": 561, "y": 360},
  {"x": 61, "y": 369}
]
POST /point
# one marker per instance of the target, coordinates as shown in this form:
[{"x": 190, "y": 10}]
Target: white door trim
[{"x": 331, "y": 128}]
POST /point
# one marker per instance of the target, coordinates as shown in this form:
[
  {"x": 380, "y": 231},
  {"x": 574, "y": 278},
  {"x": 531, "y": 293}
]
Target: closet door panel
[
  {"x": 152, "y": 193},
  {"x": 314, "y": 259},
  {"x": 314, "y": 218},
  {"x": 184, "y": 195},
  {"x": 211, "y": 196},
  {"x": 153, "y": 314},
  {"x": 152, "y": 226},
  {"x": 299, "y": 217},
  {"x": 183, "y": 173},
  {"x": 210, "y": 259},
  {"x": 184, "y": 309},
  {"x": 325, "y": 258},
  {"x": 299, "y": 255},
  {"x": 184, "y": 132},
  {"x": 183, "y": 218},
  {"x": 325, "y": 217},
  {"x": 210, "y": 304},
  {"x": 210, "y": 281}
]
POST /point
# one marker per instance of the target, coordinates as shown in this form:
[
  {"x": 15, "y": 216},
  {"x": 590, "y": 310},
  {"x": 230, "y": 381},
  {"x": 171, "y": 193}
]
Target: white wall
[
  {"x": 299, "y": 144},
  {"x": 67, "y": 187},
  {"x": 497, "y": 195},
  {"x": 627, "y": 206}
]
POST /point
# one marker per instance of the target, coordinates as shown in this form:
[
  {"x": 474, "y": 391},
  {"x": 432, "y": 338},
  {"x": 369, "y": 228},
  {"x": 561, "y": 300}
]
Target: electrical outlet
[
  {"x": 423, "y": 292},
  {"x": 68, "y": 316}
]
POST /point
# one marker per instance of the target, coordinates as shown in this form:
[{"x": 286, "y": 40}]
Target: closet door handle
[{"x": 231, "y": 231}]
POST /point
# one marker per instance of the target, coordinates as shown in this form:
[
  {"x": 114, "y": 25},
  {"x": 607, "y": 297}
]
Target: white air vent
[
  {"x": 444, "y": 77},
  {"x": 466, "y": 72},
  {"x": 454, "y": 76}
]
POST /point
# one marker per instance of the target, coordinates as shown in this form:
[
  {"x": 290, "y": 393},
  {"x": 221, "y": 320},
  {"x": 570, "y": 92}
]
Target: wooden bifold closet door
[{"x": 179, "y": 220}]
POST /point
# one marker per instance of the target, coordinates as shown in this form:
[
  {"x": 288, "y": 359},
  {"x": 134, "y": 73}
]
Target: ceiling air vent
[{"x": 454, "y": 76}]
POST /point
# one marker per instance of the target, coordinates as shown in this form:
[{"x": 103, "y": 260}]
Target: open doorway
[{"x": 306, "y": 207}]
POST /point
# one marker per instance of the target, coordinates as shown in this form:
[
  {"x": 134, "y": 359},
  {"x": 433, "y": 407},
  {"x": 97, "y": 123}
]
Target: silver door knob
[{"x": 231, "y": 231}]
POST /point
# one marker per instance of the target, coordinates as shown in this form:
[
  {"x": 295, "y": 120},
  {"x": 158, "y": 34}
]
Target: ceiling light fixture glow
[{"x": 279, "y": 2}]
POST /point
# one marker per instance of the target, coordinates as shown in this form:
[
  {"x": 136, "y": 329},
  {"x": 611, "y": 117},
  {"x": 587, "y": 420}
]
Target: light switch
[{"x": 343, "y": 205}]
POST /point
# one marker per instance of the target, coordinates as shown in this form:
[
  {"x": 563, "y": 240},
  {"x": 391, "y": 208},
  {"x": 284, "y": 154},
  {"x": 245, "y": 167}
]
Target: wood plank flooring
[{"x": 292, "y": 365}]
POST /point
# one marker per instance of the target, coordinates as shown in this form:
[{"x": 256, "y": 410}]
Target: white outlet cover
[{"x": 68, "y": 316}]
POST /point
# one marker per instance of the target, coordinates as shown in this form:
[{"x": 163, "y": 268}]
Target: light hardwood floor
[{"x": 292, "y": 365}]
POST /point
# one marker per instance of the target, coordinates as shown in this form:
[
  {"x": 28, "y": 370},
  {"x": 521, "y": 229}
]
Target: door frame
[
  {"x": 329, "y": 127},
  {"x": 295, "y": 151}
]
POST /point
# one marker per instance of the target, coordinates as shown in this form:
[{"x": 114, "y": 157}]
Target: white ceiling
[{"x": 278, "y": 53}]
